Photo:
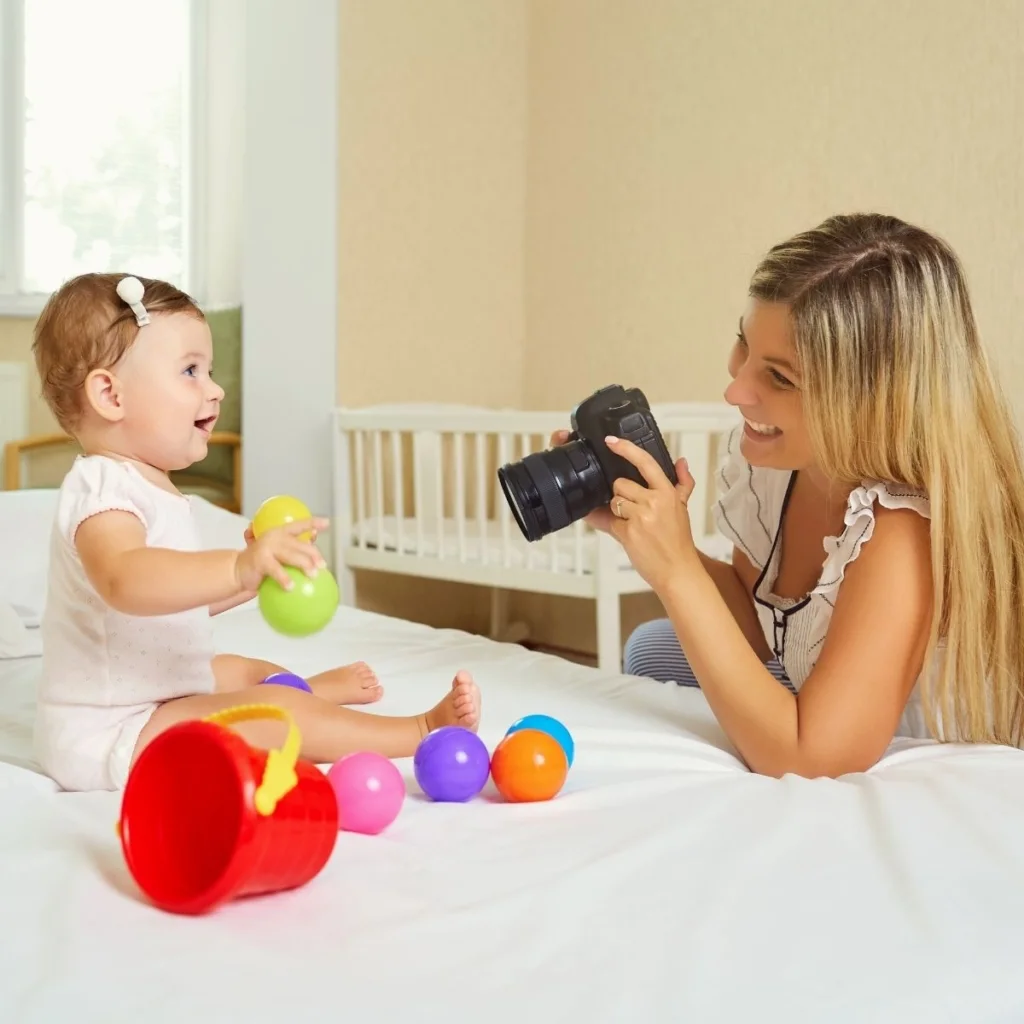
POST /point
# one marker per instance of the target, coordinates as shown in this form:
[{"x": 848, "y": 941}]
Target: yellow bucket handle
[{"x": 279, "y": 777}]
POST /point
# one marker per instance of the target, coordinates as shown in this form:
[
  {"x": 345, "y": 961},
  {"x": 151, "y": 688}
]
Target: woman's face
[{"x": 766, "y": 389}]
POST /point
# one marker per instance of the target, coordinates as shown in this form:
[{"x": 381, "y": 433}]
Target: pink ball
[{"x": 370, "y": 791}]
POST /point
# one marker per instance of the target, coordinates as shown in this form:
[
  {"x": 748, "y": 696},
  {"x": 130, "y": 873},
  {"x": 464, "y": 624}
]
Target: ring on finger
[{"x": 618, "y": 508}]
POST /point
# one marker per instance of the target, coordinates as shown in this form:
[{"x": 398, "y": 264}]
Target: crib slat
[
  {"x": 578, "y": 530},
  {"x": 439, "y": 495},
  {"x": 360, "y": 483},
  {"x": 378, "y": 479},
  {"x": 694, "y": 448},
  {"x": 399, "y": 483},
  {"x": 480, "y": 469},
  {"x": 504, "y": 448},
  {"x": 417, "y": 487},
  {"x": 525, "y": 447},
  {"x": 458, "y": 440}
]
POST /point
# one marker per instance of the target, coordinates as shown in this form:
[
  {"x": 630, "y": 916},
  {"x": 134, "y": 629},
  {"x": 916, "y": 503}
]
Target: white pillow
[
  {"x": 16, "y": 641},
  {"x": 219, "y": 529},
  {"x": 26, "y": 519}
]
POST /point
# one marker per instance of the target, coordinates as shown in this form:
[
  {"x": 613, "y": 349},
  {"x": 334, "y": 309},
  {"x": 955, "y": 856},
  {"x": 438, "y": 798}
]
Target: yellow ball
[{"x": 279, "y": 511}]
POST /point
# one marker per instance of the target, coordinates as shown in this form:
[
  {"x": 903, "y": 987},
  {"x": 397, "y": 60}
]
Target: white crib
[{"x": 417, "y": 494}]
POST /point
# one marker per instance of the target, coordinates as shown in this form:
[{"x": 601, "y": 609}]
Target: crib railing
[{"x": 420, "y": 484}]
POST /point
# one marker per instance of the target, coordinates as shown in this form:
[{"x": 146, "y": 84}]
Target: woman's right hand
[
  {"x": 600, "y": 518},
  {"x": 268, "y": 554}
]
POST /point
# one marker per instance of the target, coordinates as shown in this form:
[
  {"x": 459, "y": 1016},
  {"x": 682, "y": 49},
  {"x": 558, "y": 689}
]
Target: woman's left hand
[{"x": 652, "y": 523}]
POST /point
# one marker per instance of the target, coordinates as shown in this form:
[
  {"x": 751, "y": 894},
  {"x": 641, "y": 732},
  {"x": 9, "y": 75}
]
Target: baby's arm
[
  {"x": 138, "y": 580},
  {"x": 243, "y": 595},
  {"x": 217, "y": 607}
]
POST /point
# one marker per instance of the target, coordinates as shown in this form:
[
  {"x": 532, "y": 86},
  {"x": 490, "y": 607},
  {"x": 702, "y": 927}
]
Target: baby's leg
[
  {"x": 350, "y": 684},
  {"x": 328, "y": 731}
]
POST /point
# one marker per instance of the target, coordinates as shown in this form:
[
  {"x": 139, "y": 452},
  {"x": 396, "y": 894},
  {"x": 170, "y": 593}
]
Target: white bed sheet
[{"x": 664, "y": 884}]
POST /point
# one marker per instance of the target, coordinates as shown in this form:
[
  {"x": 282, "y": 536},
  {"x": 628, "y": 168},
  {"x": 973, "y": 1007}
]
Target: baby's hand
[{"x": 275, "y": 549}]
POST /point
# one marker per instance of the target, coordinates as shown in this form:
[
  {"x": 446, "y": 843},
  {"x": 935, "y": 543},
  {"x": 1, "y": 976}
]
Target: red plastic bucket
[{"x": 206, "y": 818}]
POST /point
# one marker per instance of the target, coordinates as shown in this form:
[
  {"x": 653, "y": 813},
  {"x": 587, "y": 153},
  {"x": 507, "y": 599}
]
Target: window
[{"x": 98, "y": 122}]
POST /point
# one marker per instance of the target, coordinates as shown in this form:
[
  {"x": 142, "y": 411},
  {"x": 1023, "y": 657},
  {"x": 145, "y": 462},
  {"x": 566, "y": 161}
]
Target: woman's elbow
[{"x": 818, "y": 763}]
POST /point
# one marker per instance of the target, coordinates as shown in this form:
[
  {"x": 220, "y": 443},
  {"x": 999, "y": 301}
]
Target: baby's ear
[{"x": 103, "y": 393}]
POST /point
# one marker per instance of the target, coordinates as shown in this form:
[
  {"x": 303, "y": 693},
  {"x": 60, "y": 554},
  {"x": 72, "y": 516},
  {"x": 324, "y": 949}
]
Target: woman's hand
[{"x": 652, "y": 523}]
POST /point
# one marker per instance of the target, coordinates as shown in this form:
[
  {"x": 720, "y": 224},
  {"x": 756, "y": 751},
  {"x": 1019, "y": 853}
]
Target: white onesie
[{"x": 104, "y": 673}]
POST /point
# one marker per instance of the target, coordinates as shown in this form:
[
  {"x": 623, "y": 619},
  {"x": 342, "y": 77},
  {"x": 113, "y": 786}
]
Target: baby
[{"x": 126, "y": 367}]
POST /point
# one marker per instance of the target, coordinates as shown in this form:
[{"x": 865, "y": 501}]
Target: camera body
[
  {"x": 616, "y": 411},
  {"x": 548, "y": 490}
]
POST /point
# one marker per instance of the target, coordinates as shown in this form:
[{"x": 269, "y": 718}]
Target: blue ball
[
  {"x": 552, "y": 726},
  {"x": 288, "y": 679}
]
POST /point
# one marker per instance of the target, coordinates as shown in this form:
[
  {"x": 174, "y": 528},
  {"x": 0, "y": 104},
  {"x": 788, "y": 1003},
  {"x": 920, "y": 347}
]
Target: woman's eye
[{"x": 779, "y": 380}]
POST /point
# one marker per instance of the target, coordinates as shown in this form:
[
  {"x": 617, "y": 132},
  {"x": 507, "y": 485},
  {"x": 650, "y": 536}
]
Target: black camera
[{"x": 549, "y": 490}]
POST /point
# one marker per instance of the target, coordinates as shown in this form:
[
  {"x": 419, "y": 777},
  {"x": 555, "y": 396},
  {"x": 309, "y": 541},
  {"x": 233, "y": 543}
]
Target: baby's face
[{"x": 169, "y": 398}]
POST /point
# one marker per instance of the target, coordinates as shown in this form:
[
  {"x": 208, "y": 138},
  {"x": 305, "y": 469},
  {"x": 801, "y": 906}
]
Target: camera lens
[{"x": 549, "y": 490}]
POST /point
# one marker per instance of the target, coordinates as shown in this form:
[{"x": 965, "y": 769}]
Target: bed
[{"x": 665, "y": 883}]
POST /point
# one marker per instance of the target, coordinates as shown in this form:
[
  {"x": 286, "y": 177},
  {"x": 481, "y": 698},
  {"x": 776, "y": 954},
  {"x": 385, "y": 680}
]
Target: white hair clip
[{"x": 131, "y": 291}]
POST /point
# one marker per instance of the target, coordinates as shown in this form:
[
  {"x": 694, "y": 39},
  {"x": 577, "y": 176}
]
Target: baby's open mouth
[{"x": 206, "y": 424}]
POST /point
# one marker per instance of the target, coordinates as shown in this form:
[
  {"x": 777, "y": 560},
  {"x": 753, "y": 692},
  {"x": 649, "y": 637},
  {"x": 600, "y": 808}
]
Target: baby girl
[{"x": 126, "y": 366}]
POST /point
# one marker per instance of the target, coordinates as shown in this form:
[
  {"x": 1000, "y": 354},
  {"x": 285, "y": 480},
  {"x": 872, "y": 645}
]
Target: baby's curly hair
[{"x": 85, "y": 326}]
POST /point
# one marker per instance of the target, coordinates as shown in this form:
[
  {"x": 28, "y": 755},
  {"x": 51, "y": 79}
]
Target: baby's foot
[
  {"x": 461, "y": 706},
  {"x": 350, "y": 684}
]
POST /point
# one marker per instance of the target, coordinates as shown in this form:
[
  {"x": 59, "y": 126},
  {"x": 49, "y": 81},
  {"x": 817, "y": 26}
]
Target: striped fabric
[{"x": 653, "y": 651}]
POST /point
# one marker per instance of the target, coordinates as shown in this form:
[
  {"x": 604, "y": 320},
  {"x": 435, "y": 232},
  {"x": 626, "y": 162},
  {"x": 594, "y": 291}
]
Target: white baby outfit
[
  {"x": 104, "y": 673},
  {"x": 750, "y": 511}
]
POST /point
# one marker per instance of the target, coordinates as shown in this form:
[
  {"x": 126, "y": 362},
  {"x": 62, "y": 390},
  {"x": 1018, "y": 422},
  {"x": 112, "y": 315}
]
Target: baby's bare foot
[
  {"x": 461, "y": 706},
  {"x": 350, "y": 684}
]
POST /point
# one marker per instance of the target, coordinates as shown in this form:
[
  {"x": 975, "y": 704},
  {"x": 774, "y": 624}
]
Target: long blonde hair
[{"x": 897, "y": 388}]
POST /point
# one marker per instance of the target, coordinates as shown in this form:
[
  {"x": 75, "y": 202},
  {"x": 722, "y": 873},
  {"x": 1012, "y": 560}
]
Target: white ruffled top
[{"x": 749, "y": 512}]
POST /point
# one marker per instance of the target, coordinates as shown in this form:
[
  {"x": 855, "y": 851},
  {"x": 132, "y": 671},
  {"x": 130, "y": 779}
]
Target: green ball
[{"x": 304, "y": 610}]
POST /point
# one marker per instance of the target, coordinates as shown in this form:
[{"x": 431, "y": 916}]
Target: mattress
[{"x": 665, "y": 882}]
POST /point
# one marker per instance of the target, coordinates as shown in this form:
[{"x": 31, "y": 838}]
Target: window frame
[{"x": 14, "y": 300}]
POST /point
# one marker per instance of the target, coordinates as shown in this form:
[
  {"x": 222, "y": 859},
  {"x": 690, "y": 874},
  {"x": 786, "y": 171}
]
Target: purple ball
[
  {"x": 288, "y": 679},
  {"x": 451, "y": 764}
]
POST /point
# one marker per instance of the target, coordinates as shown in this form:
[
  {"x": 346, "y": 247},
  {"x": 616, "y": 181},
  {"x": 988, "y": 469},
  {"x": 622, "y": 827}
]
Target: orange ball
[{"x": 529, "y": 765}]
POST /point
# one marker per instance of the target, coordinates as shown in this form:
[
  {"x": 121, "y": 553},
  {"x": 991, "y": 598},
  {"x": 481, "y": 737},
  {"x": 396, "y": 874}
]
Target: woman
[{"x": 875, "y": 499}]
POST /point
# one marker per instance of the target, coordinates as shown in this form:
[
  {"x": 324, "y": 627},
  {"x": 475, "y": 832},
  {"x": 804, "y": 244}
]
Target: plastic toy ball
[
  {"x": 370, "y": 792},
  {"x": 552, "y": 726},
  {"x": 529, "y": 765},
  {"x": 303, "y": 610},
  {"x": 279, "y": 511},
  {"x": 287, "y": 679},
  {"x": 451, "y": 764}
]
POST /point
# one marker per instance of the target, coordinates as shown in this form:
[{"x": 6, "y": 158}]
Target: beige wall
[
  {"x": 671, "y": 142},
  {"x": 431, "y": 197}
]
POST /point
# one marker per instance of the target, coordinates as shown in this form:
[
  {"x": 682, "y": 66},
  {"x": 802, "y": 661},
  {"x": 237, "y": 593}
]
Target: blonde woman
[{"x": 875, "y": 499}]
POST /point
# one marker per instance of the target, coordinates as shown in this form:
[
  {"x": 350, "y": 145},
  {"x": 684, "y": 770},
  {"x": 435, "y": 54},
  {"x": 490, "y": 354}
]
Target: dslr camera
[{"x": 549, "y": 490}]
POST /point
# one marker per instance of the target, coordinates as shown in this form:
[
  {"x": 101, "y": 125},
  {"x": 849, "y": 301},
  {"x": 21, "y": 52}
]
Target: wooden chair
[{"x": 225, "y": 493}]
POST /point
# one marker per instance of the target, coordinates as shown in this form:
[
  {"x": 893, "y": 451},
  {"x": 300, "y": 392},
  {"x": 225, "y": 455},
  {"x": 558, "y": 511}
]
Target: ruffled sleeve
[
  {"x": 749, "y": 502},
  {"x": 96, "y": 484},
  {"x": 859, "y": 525}
]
